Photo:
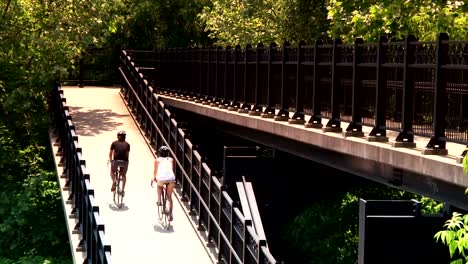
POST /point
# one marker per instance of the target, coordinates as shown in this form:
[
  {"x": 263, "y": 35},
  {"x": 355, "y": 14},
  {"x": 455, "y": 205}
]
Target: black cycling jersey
[{"x": 121, "y": 150}]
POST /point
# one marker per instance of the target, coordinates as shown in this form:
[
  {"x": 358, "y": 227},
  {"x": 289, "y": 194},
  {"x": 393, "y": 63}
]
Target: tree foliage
[
  {"x": 370, "y": 18},
  {"x": 32, "y": 221},
  {"x": 39, "y": 42},
  {"x": 244, "y": 22},
  {"x": 455, "y": 235},
  {"x": 305, "y": 20},
  {"x": 149, "y": 24}
]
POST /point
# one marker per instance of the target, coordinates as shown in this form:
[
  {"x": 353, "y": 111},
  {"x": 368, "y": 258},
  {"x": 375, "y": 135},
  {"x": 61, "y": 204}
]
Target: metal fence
[
  {"x": 413, "y": 87},
  {"x": 222, "y": 219},
  {"x": 85, "y": 209}
]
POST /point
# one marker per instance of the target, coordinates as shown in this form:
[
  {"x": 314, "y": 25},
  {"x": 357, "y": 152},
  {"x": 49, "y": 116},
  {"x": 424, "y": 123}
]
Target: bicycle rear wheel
[{"x": 163, "y": 212}]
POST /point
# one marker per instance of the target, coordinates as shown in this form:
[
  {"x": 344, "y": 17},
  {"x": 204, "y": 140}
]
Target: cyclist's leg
[
  {"x": 113, "y": 171},
  {"x": 159, "y": 194},
  {"x": 124, "y": 168},
  {"x": 169, "y": 190}
]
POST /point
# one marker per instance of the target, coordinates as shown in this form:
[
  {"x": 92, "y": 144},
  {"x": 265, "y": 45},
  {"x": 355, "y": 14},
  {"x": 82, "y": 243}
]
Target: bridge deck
[{"x": 132, "y": 231}]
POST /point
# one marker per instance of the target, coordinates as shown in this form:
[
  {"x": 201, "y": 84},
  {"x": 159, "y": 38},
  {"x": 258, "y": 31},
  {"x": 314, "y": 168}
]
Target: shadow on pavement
[
  {"x": 114, "y": 207},
  {"x": 95, "y": 121},
  {"x": 160, "y": 229}
]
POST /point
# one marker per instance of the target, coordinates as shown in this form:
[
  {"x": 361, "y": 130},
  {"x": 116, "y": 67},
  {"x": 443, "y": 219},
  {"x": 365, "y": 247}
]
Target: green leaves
[
  {"x": 455, "y": 236},
  {"x": 369, "y": 19},
  {"x": 31, "y": 216},
  {"x": 39, "y": 40},
  {"x": 244, "y": 22}
]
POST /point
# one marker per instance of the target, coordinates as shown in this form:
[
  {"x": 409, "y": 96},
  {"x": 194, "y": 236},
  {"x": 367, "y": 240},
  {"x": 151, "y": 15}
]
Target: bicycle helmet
[
  {"x": 163, "y": 151},
  {"x": 121, "y": 133}
]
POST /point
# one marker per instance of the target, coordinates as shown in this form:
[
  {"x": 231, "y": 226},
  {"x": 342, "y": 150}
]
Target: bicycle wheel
[
  {"x": 163, "y": 212},
  {"x": 118, "y": 197}
]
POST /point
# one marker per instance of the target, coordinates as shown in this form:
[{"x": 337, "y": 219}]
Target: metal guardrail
[
  {"x": 89, "y": 226},
  {"x": 233, "y": 236},
  {"x": 415, "y": 88}
]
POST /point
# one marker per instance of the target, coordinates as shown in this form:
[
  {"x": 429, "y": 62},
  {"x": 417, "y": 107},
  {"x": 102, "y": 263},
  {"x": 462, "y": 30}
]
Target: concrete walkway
[{"x": 133, "y": 231}]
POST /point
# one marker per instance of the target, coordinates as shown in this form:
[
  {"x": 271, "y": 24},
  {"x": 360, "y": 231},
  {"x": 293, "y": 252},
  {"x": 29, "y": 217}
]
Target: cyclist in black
[{"x": 118, "y": 156}]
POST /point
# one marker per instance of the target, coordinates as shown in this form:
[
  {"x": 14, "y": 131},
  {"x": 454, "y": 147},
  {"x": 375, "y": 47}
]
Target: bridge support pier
[
  {"x": 403, "y": 144},
  {"x": 377, "y": 139}
]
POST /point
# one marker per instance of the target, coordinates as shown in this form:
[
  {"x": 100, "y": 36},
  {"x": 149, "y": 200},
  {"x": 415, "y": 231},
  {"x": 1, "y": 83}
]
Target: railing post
[
  {"x": 315, "y": 120},
  {"x": 269, "y": 111},
  {"x": 207, "y": 96},
  {"x": 354, "y": 128},
  {"x": 187, "y": 73},
  {"x": 220, "y": 241},
  {"x": 245, "y": 107},
  {"x": 193, "y": 69},
  {"x": 164, "y": 72},
  {"x": 257, "y": 108},
  {"x": 406, "y": 136},
  {"x": 379, "y": 132},
  {"x": 223, "y": 104},
  {"x": 334, "y": 124},
  {"x": 177, "y": 74},
  {"x": 215, "y": 101},
  {"x": 200, "y": 76},
  {"x": 233, "y": 104},
  {"x": 283, "y": 113},
  {"x": 298, "y": 116},
  {"x": 437, "y": 143}
]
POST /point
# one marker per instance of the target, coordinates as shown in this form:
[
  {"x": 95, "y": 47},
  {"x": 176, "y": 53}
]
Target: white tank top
[{"x": 165, "y": 172}]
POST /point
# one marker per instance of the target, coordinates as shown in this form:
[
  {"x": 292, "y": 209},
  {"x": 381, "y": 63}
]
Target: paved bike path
[{"x": 133, "y": 231}]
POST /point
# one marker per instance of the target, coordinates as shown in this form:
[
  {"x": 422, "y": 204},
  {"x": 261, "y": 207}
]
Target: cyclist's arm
[
  {"x": 172, "y": 164},
  {"x": 155, "y": 170},
  {"x": 111, "y": 152}
]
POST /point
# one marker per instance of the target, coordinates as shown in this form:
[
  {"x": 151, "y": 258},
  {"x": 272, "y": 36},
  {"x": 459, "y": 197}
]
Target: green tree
[
  {"x": 39, "y": 42},
  {"x": 455, "y": 235},
  {"x": 149, "y": 24},
  {"x": 305, "y": 20},
  {"x": 244, "y": 22},
  {"x": 370, "y": 18}
]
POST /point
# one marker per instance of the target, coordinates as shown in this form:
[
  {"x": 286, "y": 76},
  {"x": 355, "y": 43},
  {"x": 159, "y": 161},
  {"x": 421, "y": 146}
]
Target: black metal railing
[
  {"x": 234, "y": 237},
  {"x": 413, "y": 87},
  {"x": 85, "y": 209}
]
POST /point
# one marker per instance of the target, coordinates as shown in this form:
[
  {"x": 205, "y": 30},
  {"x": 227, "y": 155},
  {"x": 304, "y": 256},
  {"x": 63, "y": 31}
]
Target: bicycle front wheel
[{"x": 118, "y": 195}]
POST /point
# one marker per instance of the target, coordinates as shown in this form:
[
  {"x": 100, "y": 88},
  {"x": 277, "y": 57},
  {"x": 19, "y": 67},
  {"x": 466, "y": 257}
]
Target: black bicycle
[{"x": 118, "y": 193}]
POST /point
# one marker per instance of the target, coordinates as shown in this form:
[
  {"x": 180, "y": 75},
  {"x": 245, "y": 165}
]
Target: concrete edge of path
[
  {"x": 202, "y": 236},
  {"x": 74, "y": 237}
]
